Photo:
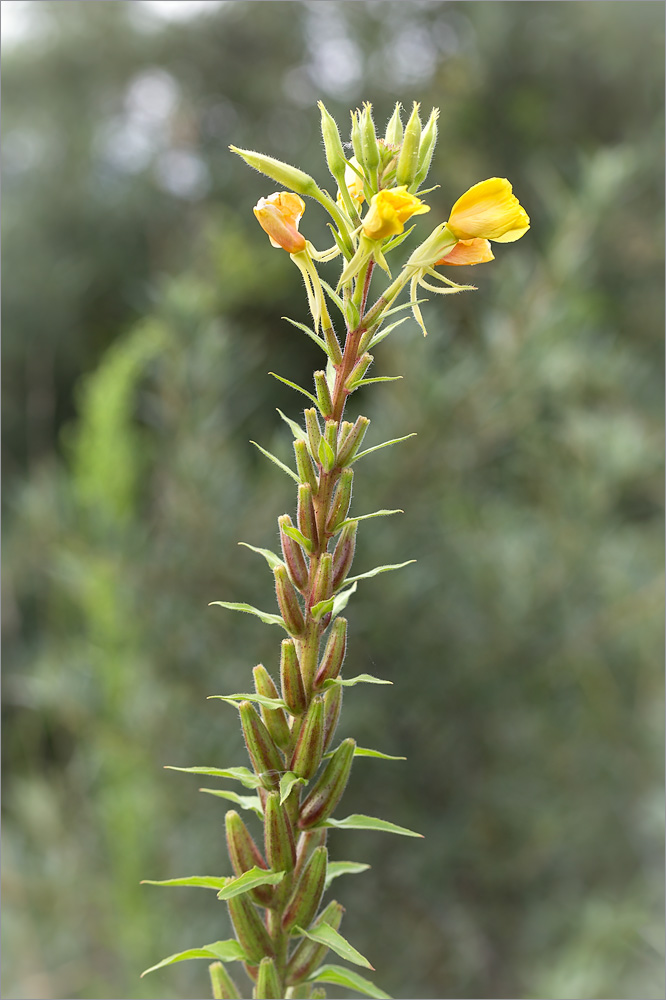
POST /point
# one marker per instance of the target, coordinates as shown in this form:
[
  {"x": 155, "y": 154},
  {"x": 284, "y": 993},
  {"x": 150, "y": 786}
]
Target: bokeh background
[{"x": 142, "y": 310}]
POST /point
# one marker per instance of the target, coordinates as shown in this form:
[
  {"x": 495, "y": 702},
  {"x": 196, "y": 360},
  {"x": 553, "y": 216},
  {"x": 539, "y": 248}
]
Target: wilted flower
[
  {"x": 278, "y": 216},
  {"x": 489, "y": 210},
  {"x": 390, "y": 210},
  {"x": 469, "y": 252}
]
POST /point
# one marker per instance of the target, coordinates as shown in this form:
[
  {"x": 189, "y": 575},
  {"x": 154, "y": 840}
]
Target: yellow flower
[
  {"x": 390, "y": 210},
  {"x": 278, "y": 216},
  {"x": 491, "y": 211},
  {"x": 468, "y": 252}
]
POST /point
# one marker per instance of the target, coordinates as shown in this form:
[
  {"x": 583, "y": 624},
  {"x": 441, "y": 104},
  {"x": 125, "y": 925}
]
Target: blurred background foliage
[{"x": 141, "y": 309}]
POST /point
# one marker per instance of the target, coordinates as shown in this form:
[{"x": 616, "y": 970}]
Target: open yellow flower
[
  {"x": 389, "y": 211},
  {"x": 469, "y": 252},
  {"x": 490, "y": 211},
  {"x": 278, "y": 216}
]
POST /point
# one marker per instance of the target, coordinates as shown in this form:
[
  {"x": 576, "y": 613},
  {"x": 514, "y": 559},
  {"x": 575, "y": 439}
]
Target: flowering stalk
[{"x": 296, "y": 781}]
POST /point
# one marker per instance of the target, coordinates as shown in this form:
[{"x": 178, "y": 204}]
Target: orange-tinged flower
[
  {"x": 278, "y": 216},
  {"x": 469, "y": 252},
  {"x": 389, "y": 211},
  {"x": 490, "y": 211}
]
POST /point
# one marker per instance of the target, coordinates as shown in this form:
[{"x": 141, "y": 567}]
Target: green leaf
[
  {"x": 261, "y": 699},
  {"x": 252, "y": 802},
  {"x": 397, "y": 240},
  {"x": 365, "y": 752},
  {"x": 248, "y": 609},
  {"x": 325, "y": 934},
  {"x": 378, "y": 569},
  {"x": 353, "y": 681},
  {"x": 287, "y": 782},
  {"x": 295, "y": 428},
  {"x": 249, "y": 880},
  {"x": 298, "y": 388},
  {"x": 242, "y": 774},
  {"x": 379, "y": 378},
  {"x": 326, "y": 456},
  {"x": 269, "y": 556},
  {"x": 405, "y": 305},
  {"x": 311, "y": 334},
  {"x": 276, "y": 461},
  {"x": 358, "y": 822},
  {"x": 385, "y": 444},
  {"x": 382, "y": 334},
  {"x": 334, "y": 297},
  {"x": 298, "y": 536},
  {"x": 362, "y": 517},
  {"x": 332, "y": 604},
  {"x": 339, "y": 976},
  {"x": 337, "y": 868},
  {"x": 199, "y": 881},
  {"x": 222, "y": 951}
]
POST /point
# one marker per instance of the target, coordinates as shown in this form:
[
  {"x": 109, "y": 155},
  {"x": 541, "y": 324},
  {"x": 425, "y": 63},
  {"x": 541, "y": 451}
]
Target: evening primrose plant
[{"x": 284, "y": 928}]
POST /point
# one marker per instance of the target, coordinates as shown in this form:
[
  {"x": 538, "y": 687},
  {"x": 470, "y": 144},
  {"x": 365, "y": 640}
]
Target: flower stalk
[{"x": 295, "y": 783}]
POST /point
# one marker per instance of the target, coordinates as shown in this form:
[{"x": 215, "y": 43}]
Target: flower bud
[
  {"x": 369, "y": 140},
  {"x": 323, "y": 394},
  {"x": 308, "y": 954},
  {"x": 263, "y": 753},
  {"x": 308, "y": 750},
  {"x": 343, "y": 555},
  {"x": 334, "y": 654},
  {"x": 409, "y": 151},
  {"x": 244, "y": 855},
  {"x": 304, "y": 467},
  {"x": 426, "y": 149},
  {"x": 393, "y": 135},
  {"x": 358, "y": 371},
  {"x": 291, "y": 681},
  {"x": 353, "y": 440},
  {"x": 278, "y": 835},
  {"x": 332, "y": 707},
  {"x": 268, "y": 982},
  {"x": 341, "y": 501},
  {"x": 304, "y": 903},
  {"x": 250, "y": 930},
  {"x": 283, "y": 173},
  {"x": 287, "y": 598},
  {"x": 293, "y": 554},
  {"x": 313, "y": 429},
  {"x": 308, "y": 841},
  {"x": 329, "y": 789},
  {"x": 224, "y": 988},
  {"x": 274, "y": 718},
  {"x": 305, "y": 514},
  {"x": 356, "y": 140},
  {"x": 335, "y": 154},
  {"x": 323, "y": 584}
]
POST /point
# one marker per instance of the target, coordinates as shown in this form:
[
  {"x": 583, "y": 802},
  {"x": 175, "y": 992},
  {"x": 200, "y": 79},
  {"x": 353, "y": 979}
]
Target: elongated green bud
[
  {"x": 308, "y": 954},
  {"x": 345, "y": 428},
  {"x": 393, "y": 135},
  {"x": 358, "y": 371},
  {"x": 286, "y": 175},
  {"x": 329, "y": 789},
  {"x": 308, "y": 841},
  {"x": 343, "y": 555},
  {"x": 275, "y": 719},
  {"x": 305, "y": 514},
  {"x": 356, "y": 140},
  {"x": 352, "y": 442},
  {"x": 408, "y": 159},
  {"x": 331, "y": 437},
  {"x": 332, "y": 343},
  {"x": 268, "y": 982},
  {"x": 313, "y": 429},
  {"x": 287, "y": 599},
  {"x": 334, "y": 654},
  {"x": 427, "y": 148},
  {"x": 332, "y": 708},
  {"x": 293, "y": 554},
  {"x": 291, "y": 681},
  {"x": 250, "y": 930},
  {"x": 323, "y": 394},
  {"x": 304, "y": 466},
  {"x": 278, "y": 835},
  {"x": 369, "y": 140},
  {"x": 323, "y": 584},
  {"x": 223, "y": 986},
  {"x": 263, "y": 753},
  {"x": 335, "y": 154},
  {"x": 244, "y": 855},
  {"x": 305, "y": 901},
  {"x": 301, "y": 992},
  {"x": 341, "y": 501},
  {"x": 308, "y": 750}
]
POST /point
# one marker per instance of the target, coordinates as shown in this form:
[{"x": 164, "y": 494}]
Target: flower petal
[
  {"x": 469, "y": 252},
  {"x": 489, "y": 210}
]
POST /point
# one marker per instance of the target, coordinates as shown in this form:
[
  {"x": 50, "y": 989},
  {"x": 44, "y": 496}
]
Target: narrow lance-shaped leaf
[
  {"x": 242, "y": 774},
  {"x": 377, "y": 570},
  {"x": 295, "y": 428},
  {"x": 222, "y": 951},
  {"x": 260, "y": 699},
  {"x": 249, "y": 880},
  {"x": 310, "y": 333},
  {"x": 276, "y": 461},
  {"x": 337, "y": 868},
  {"x": 269, "y": 556},
  {"x": 324, "y": 934},
  {"x": 293, "y": 385},
  {"x": 248, "y": 609},
  {"x": 365, "y": 752},
  {"x": 360, "y": 822},
  {"x": 385, "y": 444},
  {"x": 337, "y": 975},
  {"x": 353, "y": 681},
  {"x": 250, "y": 802}
]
